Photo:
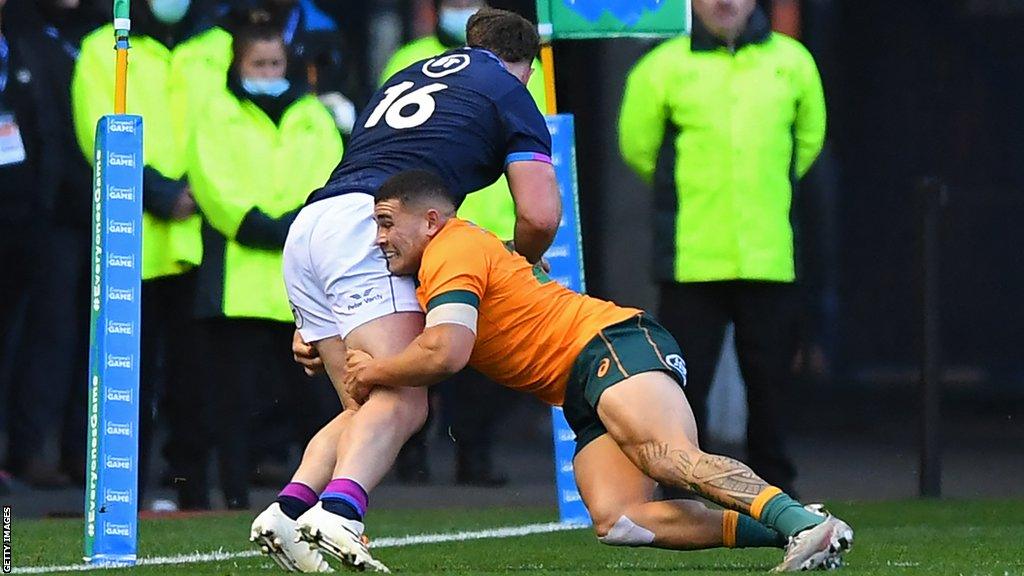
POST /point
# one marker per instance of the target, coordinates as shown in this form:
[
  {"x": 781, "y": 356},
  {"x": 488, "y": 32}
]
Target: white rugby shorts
[{"x": 336, "y": 276}]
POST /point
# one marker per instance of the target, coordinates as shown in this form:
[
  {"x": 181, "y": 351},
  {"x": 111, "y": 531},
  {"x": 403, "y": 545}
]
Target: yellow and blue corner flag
[{"x": 581, "y": 19}]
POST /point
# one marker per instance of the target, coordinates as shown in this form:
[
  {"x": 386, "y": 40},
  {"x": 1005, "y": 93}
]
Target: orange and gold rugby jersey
[{"x": 530, "y": 329}]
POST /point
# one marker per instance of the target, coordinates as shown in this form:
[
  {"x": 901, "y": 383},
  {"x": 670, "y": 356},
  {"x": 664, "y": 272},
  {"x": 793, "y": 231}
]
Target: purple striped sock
[
  {"x": 299, "y": 491},
  {"x": 348, "y": 491}
]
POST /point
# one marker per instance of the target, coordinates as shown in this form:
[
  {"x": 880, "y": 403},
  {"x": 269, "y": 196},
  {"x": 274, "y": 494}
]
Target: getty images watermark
[{"x": 7, "y": 540}]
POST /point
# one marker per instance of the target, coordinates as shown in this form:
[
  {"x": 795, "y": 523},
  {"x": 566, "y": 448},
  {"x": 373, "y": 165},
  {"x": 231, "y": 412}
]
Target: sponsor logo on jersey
[
  {"x": 602, "y": 368},
  {"x": 445, "y": 65},
  {"x": 678, "y": 364}
]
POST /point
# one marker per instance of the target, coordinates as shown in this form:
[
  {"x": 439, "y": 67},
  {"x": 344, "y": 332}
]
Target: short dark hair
[
  {"x": 510, "y": 36},
  {"x": 416, "y": 187}
]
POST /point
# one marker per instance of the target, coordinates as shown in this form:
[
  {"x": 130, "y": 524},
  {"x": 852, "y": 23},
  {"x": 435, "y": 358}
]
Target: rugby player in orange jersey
[{"x": 618, "y": 375}]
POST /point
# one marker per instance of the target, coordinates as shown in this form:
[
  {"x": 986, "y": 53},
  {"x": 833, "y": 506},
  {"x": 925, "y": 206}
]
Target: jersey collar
[
  {"x": 757, "y": 31},
  {"x": 490, "y": 54}
]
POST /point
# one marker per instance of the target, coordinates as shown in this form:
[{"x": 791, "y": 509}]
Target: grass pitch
[{"x": 901, "y": 538}]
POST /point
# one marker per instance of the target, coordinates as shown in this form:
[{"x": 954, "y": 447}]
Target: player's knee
[{"x": 620, "y": 530}]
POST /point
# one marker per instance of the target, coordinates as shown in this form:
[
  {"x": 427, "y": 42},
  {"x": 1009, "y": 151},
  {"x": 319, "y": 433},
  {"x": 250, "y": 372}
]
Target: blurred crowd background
[{"x": 914, "y": 90}]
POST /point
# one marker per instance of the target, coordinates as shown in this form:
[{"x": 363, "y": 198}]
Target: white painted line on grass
[{"x": 390, "y": 542}]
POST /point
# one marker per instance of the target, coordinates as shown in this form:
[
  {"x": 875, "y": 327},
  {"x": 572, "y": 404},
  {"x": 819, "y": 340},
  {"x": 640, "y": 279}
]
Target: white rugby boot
[
  {"x": 819, "y": 547},
  {"x": 277, "y": 536},
  {"x": 338, "y": 537}
]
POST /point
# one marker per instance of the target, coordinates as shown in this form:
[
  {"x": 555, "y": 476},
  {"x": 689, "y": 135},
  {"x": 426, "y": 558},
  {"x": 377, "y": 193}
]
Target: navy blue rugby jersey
[{"x": 460, "y": 115}]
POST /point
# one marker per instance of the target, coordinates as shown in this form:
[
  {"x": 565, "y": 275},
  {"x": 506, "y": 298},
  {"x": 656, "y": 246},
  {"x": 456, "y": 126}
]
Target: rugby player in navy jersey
[{"x": 466, "y": 116}]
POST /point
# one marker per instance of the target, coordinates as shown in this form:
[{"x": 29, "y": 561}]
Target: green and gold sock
[
  {"x": 773, "y": 508},
  {"x": 742, "y": 531}
]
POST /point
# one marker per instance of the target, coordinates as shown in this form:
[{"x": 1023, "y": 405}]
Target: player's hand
[
  {"x": 306, "y": 355},
  {"x": 184, "y": 206},
  {"x": 544, "y": 265},
  {"x": 357, "y": 385}
]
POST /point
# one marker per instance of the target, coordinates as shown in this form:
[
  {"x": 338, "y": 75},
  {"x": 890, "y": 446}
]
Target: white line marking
[{"x": 391, "y": 542}]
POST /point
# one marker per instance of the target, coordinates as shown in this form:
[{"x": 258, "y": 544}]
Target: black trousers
[
  {"x": 169, "y": 386},
  {"x": 52, "y": 354},
  {"x": 765, "y": 316},
  {"x": 26, "y": 423},
  {"x": 261, "y": 402}
]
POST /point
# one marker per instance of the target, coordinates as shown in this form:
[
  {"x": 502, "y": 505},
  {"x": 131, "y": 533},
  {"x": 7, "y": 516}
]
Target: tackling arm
[
  {"x": 434, "y": 355},
  {"x": 538, "y": 207}
]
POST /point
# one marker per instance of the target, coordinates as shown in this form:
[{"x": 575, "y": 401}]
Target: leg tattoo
[{"x": 720, "y": 479}]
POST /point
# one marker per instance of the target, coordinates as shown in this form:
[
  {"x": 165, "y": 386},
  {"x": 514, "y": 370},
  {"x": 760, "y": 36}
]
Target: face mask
[
  {"x": 265, "y": 86},
  {"x": 169, "y": 11},
  {"x": 452, "y": 21}
]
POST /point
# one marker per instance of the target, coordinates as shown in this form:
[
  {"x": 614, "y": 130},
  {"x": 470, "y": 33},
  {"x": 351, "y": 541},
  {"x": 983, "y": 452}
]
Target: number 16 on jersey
[{"x": 396, "y": 100}]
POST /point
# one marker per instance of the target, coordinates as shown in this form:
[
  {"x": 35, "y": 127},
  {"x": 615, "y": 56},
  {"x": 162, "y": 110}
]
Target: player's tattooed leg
[{"x": 720, "y": 479}]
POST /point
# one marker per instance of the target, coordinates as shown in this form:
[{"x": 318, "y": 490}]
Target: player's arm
[
  {"x": 531, "y": 177},
  {"x": 538, "y": 207},
  {"x": 440, "y": 351},
  {"x": 436, "y": 354}
]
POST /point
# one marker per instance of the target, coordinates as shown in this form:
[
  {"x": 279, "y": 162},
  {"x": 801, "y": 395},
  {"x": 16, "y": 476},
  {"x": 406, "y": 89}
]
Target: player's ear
[{"x": 433, "y": 222}]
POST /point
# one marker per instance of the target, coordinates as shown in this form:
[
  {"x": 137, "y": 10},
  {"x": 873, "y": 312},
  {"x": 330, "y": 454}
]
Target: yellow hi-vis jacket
[
  {"x": 167, "y": 88},
  {"x": 723, "y": 135},
  {"x": 248, "y": 175},
  {"x": 491, "y": 208}
]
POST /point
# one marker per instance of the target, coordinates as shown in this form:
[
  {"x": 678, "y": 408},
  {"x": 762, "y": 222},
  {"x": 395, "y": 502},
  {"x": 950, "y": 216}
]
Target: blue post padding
[
  {"x": 566, "y": 259},
  {"x": 111, "y": 498}
]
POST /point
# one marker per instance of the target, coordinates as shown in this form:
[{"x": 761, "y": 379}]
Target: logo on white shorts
[
  {"x": 678, "y": 364},
  {"x": 366, "y": 297},
  {"x": 297, "y": 316}
]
